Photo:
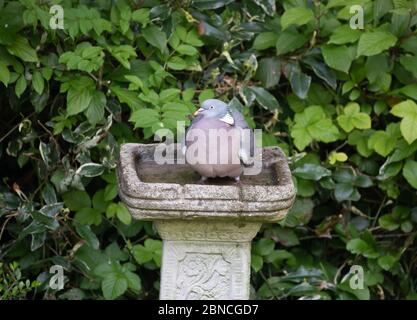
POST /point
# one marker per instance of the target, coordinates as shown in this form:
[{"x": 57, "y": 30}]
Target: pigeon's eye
[{"x": 211, "y": 107}]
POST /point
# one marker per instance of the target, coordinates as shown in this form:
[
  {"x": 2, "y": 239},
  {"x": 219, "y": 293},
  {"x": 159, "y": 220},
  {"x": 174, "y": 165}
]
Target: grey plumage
[{"x": 233, "y": 149}]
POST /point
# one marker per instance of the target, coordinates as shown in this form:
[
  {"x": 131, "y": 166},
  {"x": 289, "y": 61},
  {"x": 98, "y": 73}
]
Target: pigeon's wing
[
  {"x": 184, "y": 138},
  {"x": 247, "y": 140}
]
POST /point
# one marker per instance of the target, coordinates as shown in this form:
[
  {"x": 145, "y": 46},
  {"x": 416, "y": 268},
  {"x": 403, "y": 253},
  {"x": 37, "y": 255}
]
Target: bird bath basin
[{"x": 206, "y": 227}]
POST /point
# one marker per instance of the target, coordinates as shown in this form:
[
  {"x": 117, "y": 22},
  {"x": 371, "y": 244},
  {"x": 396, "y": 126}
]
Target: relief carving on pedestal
[{"x": 203, "y": 276}]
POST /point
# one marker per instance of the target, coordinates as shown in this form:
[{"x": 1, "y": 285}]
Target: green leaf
[
  {"x": 407, "y": 110},
  {"x": 386, "y": 262},
  {"x": 297, "y": 15},
  {"x": 77, "y": 200},
  {"x": 114, "y": 285},
  {"x": 37, "y": 82},
  {"x": 110, "y": 192},
  {"x": 300, "y": 83},
  {"x": 22, "y": 49},
  {"x": 344, "y": 34},
  {"x": 151, "y": 250},
  {"x": 264, "y": 98},
  {"x": 89, "y": 216},
  {"x": 265, "y": 40},
  {"x": 95, "y": 110},
  {"x": 311, "y": 171},
  {"x": 313, "y": 124},
  {"x": 337, "y": 57},
  {"x": 388, "y": 222},
  {"x": 269, "y": 72},
  {"x": 144, "y": 118},
  {"x": 186, "y": 50},
  {"x": 155, "y": 37},
  {"x": 4, "y": 73},
  {"x": 353, "y": 118},
  {"x": 359, "y": 246},
  {"x": 345, "y": 191},
  {"x": 290, "y": 40},
  {"x": 78, "y": 100},
  {"x": 210, "y": 4},
  {"x": 410, "y": 64},
  {"x": 410, "y": 172},
  {"x": 383, "y": 142},
  {"x": 128, "y": 97},
  {"x": 20, "y": 86},
  {"x": 177, "y": 63},
  {"x": 45, "y": 220},
  {"x": 264, "y": 246},
  {"x": 372, "y": 43},
  {"x": 256, "y": 262},
  {"x": 123, "y": 214},
  {"x": 141, "y": 16},
  {"x": 85, "y": 232},
  {"x": 134, "y": 281}
]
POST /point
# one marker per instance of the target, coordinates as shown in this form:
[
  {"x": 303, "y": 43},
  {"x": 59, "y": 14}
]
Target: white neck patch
[{"x": 228, "y": 118}]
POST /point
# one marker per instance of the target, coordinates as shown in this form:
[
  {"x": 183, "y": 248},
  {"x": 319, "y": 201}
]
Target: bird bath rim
[{"x": 167, "y": 200}]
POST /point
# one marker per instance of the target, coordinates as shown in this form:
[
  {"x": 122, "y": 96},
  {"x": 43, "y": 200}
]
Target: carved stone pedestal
[
  {"x": 207, "y": 228},
  {"x": 205, "y": 260}
]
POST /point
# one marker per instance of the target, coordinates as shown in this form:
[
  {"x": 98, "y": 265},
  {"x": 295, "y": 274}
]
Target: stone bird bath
[{"x": 207, "y": 228}]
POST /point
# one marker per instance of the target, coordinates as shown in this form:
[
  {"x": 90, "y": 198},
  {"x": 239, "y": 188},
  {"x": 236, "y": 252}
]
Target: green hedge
[{"x": 340, "y": 102}]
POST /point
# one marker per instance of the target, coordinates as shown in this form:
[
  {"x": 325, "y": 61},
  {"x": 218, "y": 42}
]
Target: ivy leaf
[
  {"x": 90, "y": 170},
  {"x": 407, "y": 110},
  {"x": 372, "y": 43},
  {"x": 297, "y": 15},
  {"x": 353, "y": 118}
]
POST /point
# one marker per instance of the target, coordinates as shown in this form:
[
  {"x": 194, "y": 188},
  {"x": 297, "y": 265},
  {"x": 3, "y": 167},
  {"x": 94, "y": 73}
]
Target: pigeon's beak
[{"x": 198, "y": 111}]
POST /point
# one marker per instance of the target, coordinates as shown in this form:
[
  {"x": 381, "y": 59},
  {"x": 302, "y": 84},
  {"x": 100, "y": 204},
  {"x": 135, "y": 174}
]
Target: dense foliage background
[{"x": 340, "y": 102}]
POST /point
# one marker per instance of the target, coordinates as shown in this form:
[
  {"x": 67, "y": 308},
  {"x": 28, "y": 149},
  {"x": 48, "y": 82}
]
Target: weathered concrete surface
[
  {"x": 205, "y": 260},
  {"x": 207, "y": 228},
  {"x": 154, "y": 201}
]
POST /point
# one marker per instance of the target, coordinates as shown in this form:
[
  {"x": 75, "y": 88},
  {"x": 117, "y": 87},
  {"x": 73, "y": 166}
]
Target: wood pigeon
[{"x": 219, "y": 142}]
